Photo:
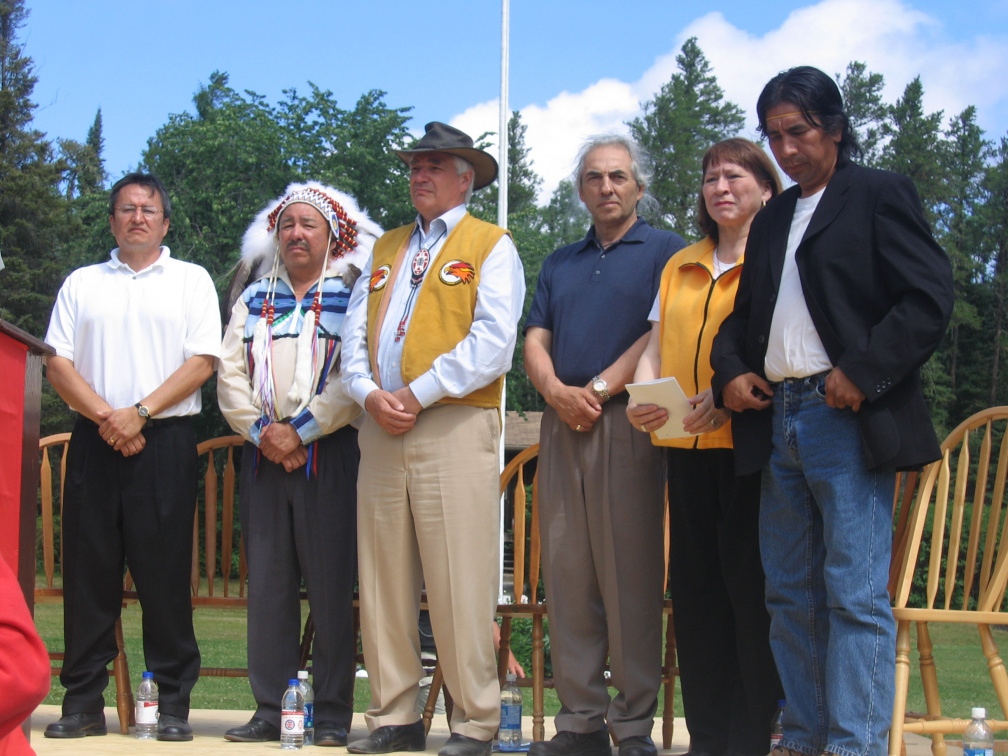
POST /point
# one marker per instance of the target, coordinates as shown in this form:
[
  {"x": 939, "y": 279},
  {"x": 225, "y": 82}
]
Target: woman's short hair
[{"x": 744, "y": 153}]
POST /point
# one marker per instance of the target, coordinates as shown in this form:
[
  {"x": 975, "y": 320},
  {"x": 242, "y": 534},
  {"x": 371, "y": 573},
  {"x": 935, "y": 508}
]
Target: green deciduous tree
[
  {"x": 687, "y": 116},
  {"x": 351, "y": 149}
]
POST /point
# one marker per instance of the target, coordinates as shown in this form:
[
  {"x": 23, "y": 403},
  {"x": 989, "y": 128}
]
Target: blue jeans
[{"x": 825, "y": 540}]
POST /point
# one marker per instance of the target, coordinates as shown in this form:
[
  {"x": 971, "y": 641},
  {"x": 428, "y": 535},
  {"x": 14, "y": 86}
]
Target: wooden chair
[
  {"x": 957, "y": 549},
  {"x": 670, "y": 662},
  {"x": 903, "y": 498},
  {"x": 219, "y": 569},
  {"x": 526, "y": 600}
]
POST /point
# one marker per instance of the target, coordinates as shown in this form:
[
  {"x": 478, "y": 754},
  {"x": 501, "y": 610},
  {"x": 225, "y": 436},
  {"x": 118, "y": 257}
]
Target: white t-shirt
[
  {"x": 126, "y": 331},
  {"x": 794, "y": 349}
]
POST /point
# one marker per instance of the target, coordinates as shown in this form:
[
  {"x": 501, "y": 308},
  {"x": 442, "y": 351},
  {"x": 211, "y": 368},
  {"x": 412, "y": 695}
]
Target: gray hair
[
  {"x": 461, "y": 166},
  {"x": 640, "y": 163}
]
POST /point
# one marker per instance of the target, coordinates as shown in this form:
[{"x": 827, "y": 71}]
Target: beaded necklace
[{"x": 420, "y": 262}]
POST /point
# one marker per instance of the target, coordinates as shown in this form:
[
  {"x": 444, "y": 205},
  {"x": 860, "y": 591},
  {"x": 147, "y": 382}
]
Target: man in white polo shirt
[{"x": 135, "y": 338}]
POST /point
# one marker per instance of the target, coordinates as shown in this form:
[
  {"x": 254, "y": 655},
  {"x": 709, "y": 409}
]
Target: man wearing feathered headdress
[
  {"x": 278, "y": 387},
  {"x": 430, "y": 332}
]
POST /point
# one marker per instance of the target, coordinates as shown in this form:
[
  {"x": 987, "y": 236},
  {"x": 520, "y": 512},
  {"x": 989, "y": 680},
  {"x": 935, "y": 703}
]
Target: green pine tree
[{"x": 687, "y": 116}]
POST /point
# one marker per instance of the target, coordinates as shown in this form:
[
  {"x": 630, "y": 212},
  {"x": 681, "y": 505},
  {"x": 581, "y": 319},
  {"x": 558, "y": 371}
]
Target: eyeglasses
[{"x": 128, "y": 211}]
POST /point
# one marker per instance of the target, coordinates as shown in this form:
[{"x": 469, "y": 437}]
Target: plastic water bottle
[
  {"x": 309, "y": 707},
  {"x": 292, "y": 717},
  {"x": 978, "y": 739},
  {"x": 777, "y": 725},
  {"x": 147, "y": 708},
  {"x": 509, "y": 737}
]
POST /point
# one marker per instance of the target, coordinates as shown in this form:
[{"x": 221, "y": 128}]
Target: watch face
[{"x": 599, "y": 386}]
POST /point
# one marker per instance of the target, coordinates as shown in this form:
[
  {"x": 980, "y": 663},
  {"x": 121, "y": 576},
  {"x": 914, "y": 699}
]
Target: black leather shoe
[
  {"x": 392, "y": 738},
  {"x": 567, "y": 743},
  {"x": 255, "y": 731},
  {"x": 173, "y": 728},
  {"x": 77, "y": 726},
  {"x": 460, "y": 745},
  {"x": 330, "y": 734},
  {"x": 637, "y": 746}
]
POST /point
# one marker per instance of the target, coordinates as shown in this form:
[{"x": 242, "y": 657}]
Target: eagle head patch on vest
[
  {"x": 457, "y": 271},
  {"x": 379, "y": 278}
]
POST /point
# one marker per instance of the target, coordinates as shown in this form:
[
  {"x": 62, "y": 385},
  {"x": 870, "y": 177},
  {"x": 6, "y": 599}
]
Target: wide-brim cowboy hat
[{"x": 441, "y": 137}]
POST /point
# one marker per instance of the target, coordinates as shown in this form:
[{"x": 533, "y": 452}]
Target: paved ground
[{"x": 209, "y": 727}]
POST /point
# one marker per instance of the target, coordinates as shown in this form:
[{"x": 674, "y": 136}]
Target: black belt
[
  {"x": 806, "y": 380},
  {"x": 152, "y": 422}
]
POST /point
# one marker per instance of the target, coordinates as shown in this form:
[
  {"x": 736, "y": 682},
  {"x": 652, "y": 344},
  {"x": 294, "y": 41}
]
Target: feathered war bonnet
[{"x": 354, "y": 234}]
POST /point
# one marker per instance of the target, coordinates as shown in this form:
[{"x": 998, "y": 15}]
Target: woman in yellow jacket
[{"x": 729, "y": 682}]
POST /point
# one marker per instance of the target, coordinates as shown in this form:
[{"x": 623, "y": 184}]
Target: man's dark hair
[
  {"x": 149, "y": 180},
  {"x": 818, "y": 99}
]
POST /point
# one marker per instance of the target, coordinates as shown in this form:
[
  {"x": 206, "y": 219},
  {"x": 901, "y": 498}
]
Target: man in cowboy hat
[
  {"x": 278, "y": 387},
  {"x": 430, "y": 333},
  {"x": 135, "y": 338}
]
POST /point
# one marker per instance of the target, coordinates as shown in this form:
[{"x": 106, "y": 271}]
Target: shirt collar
[
  {"x": 636, "y": 234},
  {"x": 444, "y": 223},
  {"x": 116, "y": 264}
]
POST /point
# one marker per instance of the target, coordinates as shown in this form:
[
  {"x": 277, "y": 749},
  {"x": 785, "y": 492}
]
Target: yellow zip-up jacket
[{"x": 693, "y": 305}]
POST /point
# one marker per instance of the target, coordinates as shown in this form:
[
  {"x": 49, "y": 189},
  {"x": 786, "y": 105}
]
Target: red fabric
[
  {"x": 13, "y": 355},
  {"x": 24, "y": 662},
  {"x": 15, "y": 745}
]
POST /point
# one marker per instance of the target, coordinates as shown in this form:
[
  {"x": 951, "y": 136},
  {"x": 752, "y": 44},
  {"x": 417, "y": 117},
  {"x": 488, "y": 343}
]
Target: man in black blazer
[{"x": 844, "y": 295}]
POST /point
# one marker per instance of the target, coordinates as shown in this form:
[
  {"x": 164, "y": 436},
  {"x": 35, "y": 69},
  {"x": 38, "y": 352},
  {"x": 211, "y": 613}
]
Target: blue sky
[{"x": 577, "y": 67}]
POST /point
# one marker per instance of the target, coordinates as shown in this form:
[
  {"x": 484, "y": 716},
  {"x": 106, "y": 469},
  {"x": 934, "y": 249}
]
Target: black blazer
[{"x": 879, "y": 290}]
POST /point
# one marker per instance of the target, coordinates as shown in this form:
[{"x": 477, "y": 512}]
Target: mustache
[{"x": 297, "y": 245}]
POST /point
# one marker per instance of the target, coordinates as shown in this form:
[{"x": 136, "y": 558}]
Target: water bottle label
[
  {"x": 292, "y": 723},
  {"x": 146, "y": 712},
  {"x": 511, "y": 716},
  {"x": 978, "y": 752}
]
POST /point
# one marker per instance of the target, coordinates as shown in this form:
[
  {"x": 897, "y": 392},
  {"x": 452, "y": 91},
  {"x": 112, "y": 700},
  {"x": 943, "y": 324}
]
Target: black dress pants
[
  {"x": 730, "y": 686},
  {"x": 298, "y": 526},
  {"x": 139, "y": 509}
]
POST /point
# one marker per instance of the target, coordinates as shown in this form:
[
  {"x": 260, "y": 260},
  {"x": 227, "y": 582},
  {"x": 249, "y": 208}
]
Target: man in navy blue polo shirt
[{"x": 602, "y": 484}]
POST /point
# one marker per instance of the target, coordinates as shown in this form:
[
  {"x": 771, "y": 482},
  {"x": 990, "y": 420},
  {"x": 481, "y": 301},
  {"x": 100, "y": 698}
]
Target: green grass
[
  {"x": 962, "y": 669},
  {"x": 221, "y": 635},
  {"x": 963, "y": 679}
]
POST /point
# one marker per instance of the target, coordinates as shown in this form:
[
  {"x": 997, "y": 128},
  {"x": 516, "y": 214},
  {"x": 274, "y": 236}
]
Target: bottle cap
[
  {"x": 979, "y": 712},
  {"x": 510, "y": 677},
  {"x": 148, "y": 675},
  {"x": 293, "y": 682},
  {"x": 302, "y": 674}
]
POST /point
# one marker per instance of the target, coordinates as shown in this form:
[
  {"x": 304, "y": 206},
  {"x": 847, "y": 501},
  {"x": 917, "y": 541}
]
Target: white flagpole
[{"x": 502, "y": 213}]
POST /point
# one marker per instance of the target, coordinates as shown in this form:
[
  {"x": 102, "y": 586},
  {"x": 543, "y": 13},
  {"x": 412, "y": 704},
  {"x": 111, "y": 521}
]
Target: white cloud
[{"x": 891, "y": 37}]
